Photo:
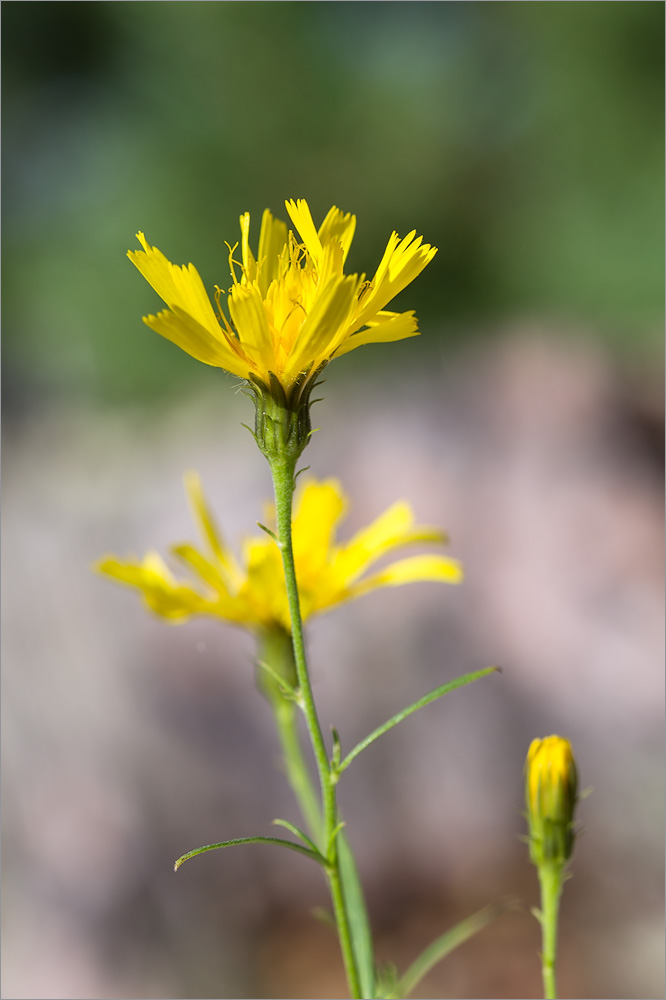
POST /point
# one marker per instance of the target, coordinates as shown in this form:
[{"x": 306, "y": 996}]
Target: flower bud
[{"x": 551, "y": 783}]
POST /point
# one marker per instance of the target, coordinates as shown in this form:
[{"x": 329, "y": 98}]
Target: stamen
[{"x": 234, "y": 263}]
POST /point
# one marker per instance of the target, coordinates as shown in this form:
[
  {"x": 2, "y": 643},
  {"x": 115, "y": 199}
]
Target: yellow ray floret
[
  {"x": 291, "y": 307},
  {"x": 253, "y": 593}
]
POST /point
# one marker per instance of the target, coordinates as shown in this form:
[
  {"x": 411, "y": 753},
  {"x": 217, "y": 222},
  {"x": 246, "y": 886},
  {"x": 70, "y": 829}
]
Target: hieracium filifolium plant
[{"x": 290, "y": 311}]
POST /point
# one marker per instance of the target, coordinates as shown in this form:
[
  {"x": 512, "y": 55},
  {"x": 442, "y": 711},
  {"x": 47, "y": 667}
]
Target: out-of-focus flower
[
  {"x": 551, "y": 784},
  {"x": 292, "y": 309},
  {"x": 253, "y": 592}
]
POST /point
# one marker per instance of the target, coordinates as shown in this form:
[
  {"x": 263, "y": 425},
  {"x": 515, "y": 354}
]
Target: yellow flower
[
  {"x": 253, "y": 593},
  {"x": 292, "y": 309},
  {"x": 551, "y": 784}
]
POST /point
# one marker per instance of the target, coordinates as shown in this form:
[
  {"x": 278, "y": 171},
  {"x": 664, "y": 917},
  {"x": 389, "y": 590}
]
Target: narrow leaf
[
  {"x": 285, "y": 687},
  {"x": 334, "y": 833},
  {"x": 357, "y": 915},
  {"x": 268, "y": 532},
  {"x": 451, "y": 939},
  {"x": 324, "y": 916},
  {"x": 421, "y": 703},
  {"x": 250, "y": 840},
  {"x": 297, "y": 832}
]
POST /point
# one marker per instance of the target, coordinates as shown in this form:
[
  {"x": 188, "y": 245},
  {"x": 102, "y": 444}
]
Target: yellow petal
[
  {"x": 338, "y": 226},
  {"x": 207, "y": 571},
  {"x": 411, "y": 570},
  {"x": 209, "y": 530},
  {"x": 272, "y": 242},
  {"x": 249, "y": 263},
  {"x": 264, "y": 590},
  {"x": 300, "y": 215},
  {"x": 191, "y": 324},
  {"x": 320, "y": 507},
  {"x": 323, "y": 327},
  {"x": 191, "y": 337},
  {"x": 403, "y": 261},
  {"x": 160, "y": 591},
  {"x": 384, "y": 328},
  {"x": 247, "y": 311},
  {"x": 391, "y": 530},
  {"x": 180, "y": 287}
]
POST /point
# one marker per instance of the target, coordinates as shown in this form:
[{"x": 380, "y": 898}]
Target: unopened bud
[{"x": 551, "y": 783}]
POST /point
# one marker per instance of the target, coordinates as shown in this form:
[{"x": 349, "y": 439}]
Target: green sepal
[{"x": 282, "y": 425}]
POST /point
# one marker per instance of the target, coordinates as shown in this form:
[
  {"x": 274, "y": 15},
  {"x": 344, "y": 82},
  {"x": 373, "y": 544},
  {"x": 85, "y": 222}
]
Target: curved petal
[
  {"x": 403, "y": 261},
  {"x": 184, "y": 331},
  {"x": 414, "y": 569},
  {"x": 191, "y": 322},
  {"x": 161, "y": 593},
  {"x": 300, "y": 215},
  {"x": 320, "y": 507},
  {"x": 339, "y": 226},
  {"x": 264, "y": 590},
  {"x": 392, "y": 529},
  {"x": 325, "y": 324},
  {"x": 386, "y": 327},
  {"x": 249, "y": 263},
  {"x": 180, "y": 287},
  {"x": 205, "y": 521},
  {"x": 247, "y": 311},
  {"x": 272, "y": 242}
]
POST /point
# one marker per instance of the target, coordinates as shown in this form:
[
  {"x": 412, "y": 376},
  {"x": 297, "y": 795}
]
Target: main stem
[
  {"x": 283, "y": 470},
  {"x": 550, "y": 879}
]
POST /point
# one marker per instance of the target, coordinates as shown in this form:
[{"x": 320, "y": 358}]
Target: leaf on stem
[
  {"x": 285, "y": 687},
  {"x": 324, "y": 916},
  {"x": 334, "y": 832},
  {"x": 251, "y": 840},
  {"x": 444, "y": 945},
  {"x": 335, "y": 759},
  {"x": 268, "y": 532},
  {"x": 357, "y": 915},
  {"x": 297, "y": 832},
  {"x": 421, "y": 703}
]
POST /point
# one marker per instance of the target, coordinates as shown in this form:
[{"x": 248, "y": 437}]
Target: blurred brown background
[{"x": 526, "y": 141}]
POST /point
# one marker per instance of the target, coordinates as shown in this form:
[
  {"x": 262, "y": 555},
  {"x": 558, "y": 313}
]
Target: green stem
[
  {"x": 283, "y": 469},
  {"x": 550, "y": 879}
]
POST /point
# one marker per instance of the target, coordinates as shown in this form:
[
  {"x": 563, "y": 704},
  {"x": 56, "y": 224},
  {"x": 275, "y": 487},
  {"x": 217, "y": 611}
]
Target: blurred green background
[{"x": 525, "y": 140}]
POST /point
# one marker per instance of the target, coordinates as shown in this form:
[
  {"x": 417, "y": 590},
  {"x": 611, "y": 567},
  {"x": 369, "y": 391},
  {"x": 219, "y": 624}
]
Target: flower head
[
  {"x": 291, "y": 308},
  {"x": 551, "y": 784},
  {"x": 253, "y": 592}
]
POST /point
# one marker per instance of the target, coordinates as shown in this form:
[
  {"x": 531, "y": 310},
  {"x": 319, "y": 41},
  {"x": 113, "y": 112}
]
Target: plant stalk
[
  {"x": 550, "y": 879},
  {"x": 283, "y": 469}
]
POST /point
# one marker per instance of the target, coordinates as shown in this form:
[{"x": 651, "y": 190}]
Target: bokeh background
[{"x": 525, "y": 140}]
